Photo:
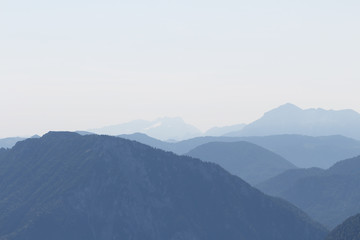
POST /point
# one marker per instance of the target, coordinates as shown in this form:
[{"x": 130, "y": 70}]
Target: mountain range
[
  {"x": 86, "y": 186},
  {"x": 252, "y": 163},
  {"x": 307, "y": 151},
  {"x": 67, "y": 186},
  {"x": 290, "y": 119},
  {"x": 302, "y": 151},
  {"x": 329, "y": 196},
  {"x": 166, "y": 129},
  {"x": 285, "y": 119}
]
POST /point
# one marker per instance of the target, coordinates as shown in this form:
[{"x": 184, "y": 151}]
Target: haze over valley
[{"x": 179, "y": 120}]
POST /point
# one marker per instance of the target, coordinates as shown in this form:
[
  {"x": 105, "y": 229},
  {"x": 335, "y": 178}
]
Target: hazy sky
[{"x": 79, "y": 64}]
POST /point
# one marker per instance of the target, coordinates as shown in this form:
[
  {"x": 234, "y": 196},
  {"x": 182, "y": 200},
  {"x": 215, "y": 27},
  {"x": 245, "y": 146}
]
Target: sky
[{"x": 75, "y": 65}]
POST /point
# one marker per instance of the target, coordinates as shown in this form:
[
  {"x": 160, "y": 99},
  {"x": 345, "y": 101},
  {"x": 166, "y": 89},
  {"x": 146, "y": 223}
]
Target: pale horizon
[
  {"x": 76, "y": 65},
  {"x": 203, "y": 130}
]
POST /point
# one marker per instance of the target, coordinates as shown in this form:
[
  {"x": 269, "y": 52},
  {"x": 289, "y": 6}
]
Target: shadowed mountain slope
[
  {"x": 252, "y": 163},
  {"x": 67, "y": 186},
  {"x": 348, "y": 230},
  {"x": 284, "y": 181},
  {"x": 329, "y": 196}
]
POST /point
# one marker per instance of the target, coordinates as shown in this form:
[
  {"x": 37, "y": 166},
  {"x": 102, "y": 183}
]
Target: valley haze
[{"x": 179, "y": 120}]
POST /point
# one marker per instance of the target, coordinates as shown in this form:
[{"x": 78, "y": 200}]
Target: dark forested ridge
[
  {"x": 67, "y": 186},
  {"x": 252, "y": 163},
  {"x": 302, "y": 151},
  {"x": 348, "y": 230},
  {"x": 329, "y": 196}
]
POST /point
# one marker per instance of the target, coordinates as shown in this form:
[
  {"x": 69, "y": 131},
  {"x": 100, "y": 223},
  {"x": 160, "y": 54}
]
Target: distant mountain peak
[
  {"x": 287, "y": 107},
  {"x": 162, "y": 128},
  {"x": 290, "y": 119}
]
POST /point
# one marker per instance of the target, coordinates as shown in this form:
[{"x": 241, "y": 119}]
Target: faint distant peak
[
  {"x": 162, "y": 128},
  {"x": 284, "y": 109},
  {"x": 289, "y": 106}
]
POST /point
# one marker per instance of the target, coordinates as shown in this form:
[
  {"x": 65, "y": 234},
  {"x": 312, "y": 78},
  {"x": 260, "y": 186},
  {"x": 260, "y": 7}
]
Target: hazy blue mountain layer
[
  {"x": 67, "y": 186},
  {"x": 290, "y": 119},
  {"x": 9, "y": 142},
  {"x": 302, "y": 151},
  {"x": 348, "y": 230},
  {"x": 162, "y": 128},
  {"x": 329, "y": 196},
  {"x": 252, "y": 163},
  {"x": 220, "y": 131},
  {"x": 306, "y": 151}
]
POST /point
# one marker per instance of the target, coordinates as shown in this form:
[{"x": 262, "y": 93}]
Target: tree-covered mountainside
[
  {"x": 329, "y": 196},
  {"x": 348, "y": 230},
  {"x": 286, "y": 180},
  {"x": 67, "y": 186},
  {"x": 250, "y": 162}
]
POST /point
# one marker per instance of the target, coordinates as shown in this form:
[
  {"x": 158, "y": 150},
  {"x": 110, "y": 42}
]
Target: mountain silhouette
[
  {"x": 348, "y": 230},
  {"x": 302, "y": 151},
  {"x": 10, "y": 142},
  {"x": 161, "y": 128},
  {"x": 329, "y": 196},
  {"x": 252, "y": 163},
  {"x": 290, "y": 119},
  {"x": 307, "y": 151},
  {"x": 67, "y": 186}
]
